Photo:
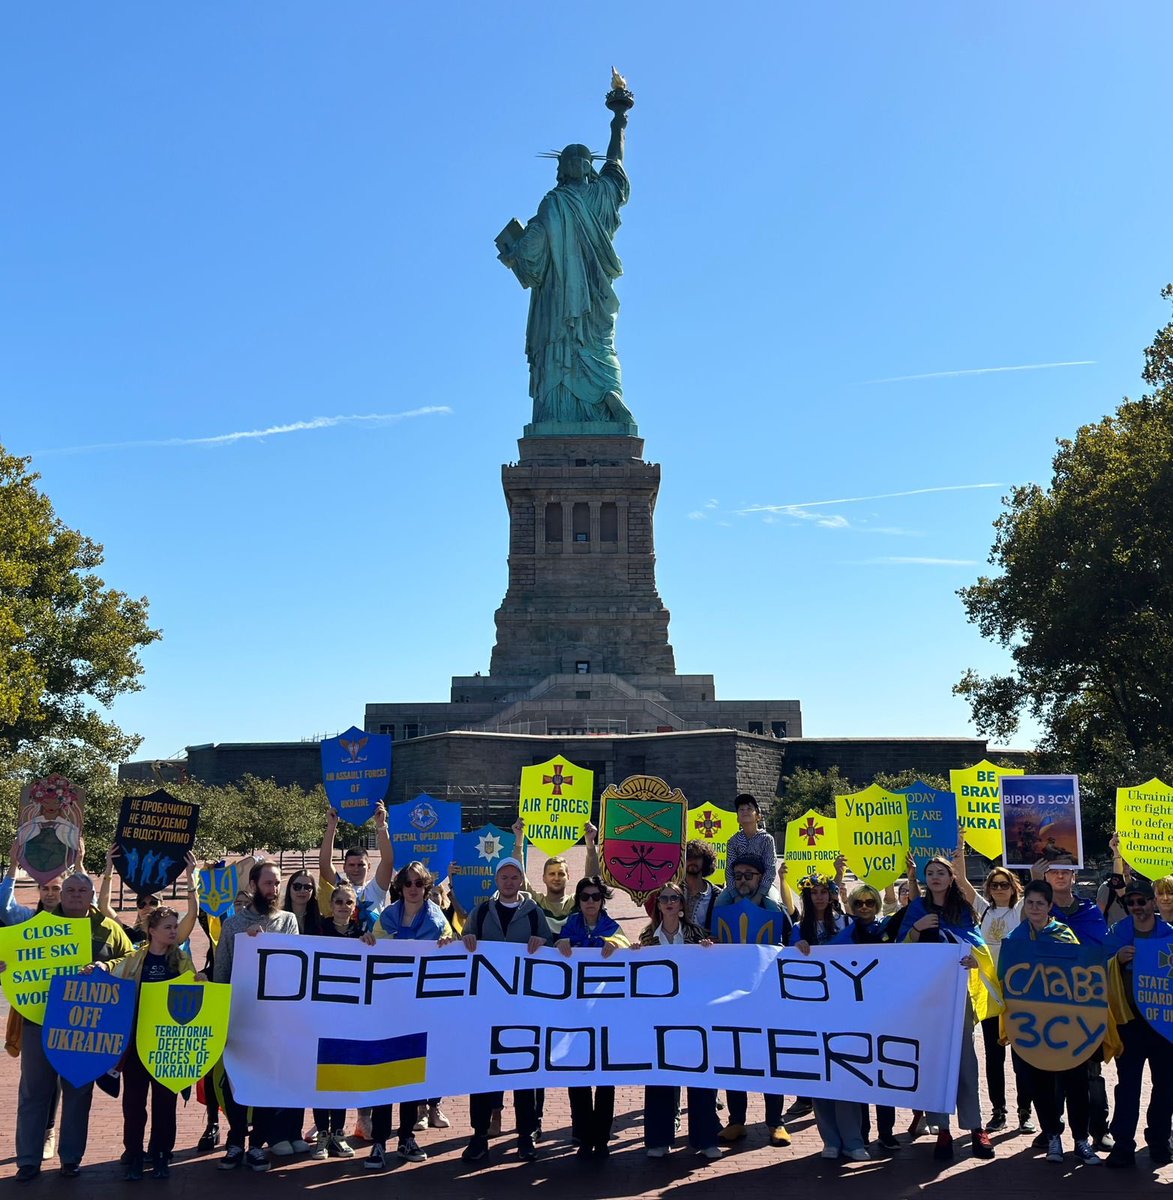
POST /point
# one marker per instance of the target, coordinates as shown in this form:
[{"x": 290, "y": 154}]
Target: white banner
[{"x": 316, "y": 1024}]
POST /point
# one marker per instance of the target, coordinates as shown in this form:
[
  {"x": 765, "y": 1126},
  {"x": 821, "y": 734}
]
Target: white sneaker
[
  {"x": 658, "y": 1152},
  {"x": 321, "y": 1146},
  {"x": 421, "y": 1120},
  {"x": 282, "y": 1149},
  {"x": 860, "y": 1155},
  {"x": 1086, "y": 1154},
  {"x": 830, "y": 1152},
  {"x": 1055, "y": 1149},
  {"x": 50, "y": 1147},
  {"x": 436, "y": 1117},
  {"x": 712, "y": 1153}
]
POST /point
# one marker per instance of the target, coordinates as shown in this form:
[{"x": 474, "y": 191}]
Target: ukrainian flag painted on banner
[{"x": 345, "y": 1065}]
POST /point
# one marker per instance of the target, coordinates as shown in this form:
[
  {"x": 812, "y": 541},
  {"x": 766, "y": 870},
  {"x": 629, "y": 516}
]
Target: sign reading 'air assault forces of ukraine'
[
  {"x": 979, "y": 810},
  {"x": 555, "y": 804}
]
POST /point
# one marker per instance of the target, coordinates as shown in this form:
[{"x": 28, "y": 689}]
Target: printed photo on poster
[{"x": 1040, "y": 819}]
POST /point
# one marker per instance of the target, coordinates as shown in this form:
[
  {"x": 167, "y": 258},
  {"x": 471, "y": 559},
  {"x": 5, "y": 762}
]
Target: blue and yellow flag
[{"x": 346, "y": 1065}]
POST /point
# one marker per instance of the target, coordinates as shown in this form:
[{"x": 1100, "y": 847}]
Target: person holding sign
[
  {"x": 372, "y": 893},
  {"x": 38, "y": 1080},
  {"x": 1142, "y": 1043},
  {"x": 1048, "y": 1088},
  {"x": 158, "y": 959}
]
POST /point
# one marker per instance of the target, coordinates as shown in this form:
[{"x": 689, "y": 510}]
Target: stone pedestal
[{"x": 582, "y": 589}]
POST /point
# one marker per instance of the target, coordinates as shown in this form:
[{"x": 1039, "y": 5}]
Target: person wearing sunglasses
[
  {"x": 1142, "y": 1043},
  {"x": 301, "y": 899},
  {"x": 590, "y": 926},
  {"x": 414, "y": 918}
]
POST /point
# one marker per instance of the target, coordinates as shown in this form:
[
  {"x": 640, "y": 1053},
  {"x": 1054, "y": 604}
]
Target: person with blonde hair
[{"x": 1163, "y": 893}]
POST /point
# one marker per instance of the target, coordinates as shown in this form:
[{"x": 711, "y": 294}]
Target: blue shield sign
[
  {"x": 184, "y": 1001},
  {"x": 932, "y": 823},
  {"x": 424, "y": 830},
  {"x": 88, "y": 1024},
  {"x": 356, "y": 772},
  {"x": 218, "y": 888},
  {"x": 1152, "y": 983},
  {"x": 747, "y": 924},
  {"x": 476, "y": 856}
]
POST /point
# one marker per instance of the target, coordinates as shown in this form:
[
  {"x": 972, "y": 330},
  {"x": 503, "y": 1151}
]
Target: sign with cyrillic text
[{"x": 375, "y": 1024}]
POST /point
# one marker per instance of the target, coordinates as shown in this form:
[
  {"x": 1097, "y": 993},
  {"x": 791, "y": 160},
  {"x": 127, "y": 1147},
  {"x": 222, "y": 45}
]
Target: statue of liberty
[{"x": 565, "y": 257}]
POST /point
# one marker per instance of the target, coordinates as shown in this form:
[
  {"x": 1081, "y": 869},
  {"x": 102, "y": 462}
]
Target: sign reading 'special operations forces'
[
  {"x": 715, "y": 826},
  {"x": 474, "y": 863},
  {"x": 747, "y": 924},
  {"x": 555, "y": 803},
  {"x": 1040, "y": 819},
  {"x": 644, "y": 829},
  {"x": 182, "y": 1028},
  {"x": 873, "y": 834},
  {"x": 1144, "y": 824},
  {"x": 1152, "y": 983},
  {"x": 812, "y": 846},
  {"x": 88, "y": 1023},
  {"x": 1056, "y": 996},
  {"x": 979, "y": 809},
  {"x": 218, "y": 888},
  {"x": 154, "y": 834},
  {"x": 34, "y": 952},
  {"x": 932, "y": 824},
  {"x": 356, "y": 772},
  {"x": 424, "y": 830}
]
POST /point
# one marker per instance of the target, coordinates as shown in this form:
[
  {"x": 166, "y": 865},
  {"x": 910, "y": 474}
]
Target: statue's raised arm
[{"x": 565, "y": 258}]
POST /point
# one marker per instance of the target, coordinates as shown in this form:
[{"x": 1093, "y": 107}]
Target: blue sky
[{"x": 233, "y": 218}]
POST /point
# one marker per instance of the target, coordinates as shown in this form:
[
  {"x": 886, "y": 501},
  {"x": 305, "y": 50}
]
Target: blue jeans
[
  {"x": 660, "y": 1116},
  {"x": 840, "y": 1124}
]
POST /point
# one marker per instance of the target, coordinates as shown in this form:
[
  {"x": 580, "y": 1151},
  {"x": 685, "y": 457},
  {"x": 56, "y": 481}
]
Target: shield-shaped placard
[
  {"x": 356, "y": 772},
  {"x": 1152, "y": 983},
  {"x": 424, "y": 830},
  {"x": 747, "y": 924},
  {"x": 182, "y": 1028},
  {"x": 218, "y": 888},
  {"x": 88, "y": 1023},
  {"x": 644, "y": 831},
  {"x": 48, "y": 832},
  {"x": 154, "y": 834},
  {"x": 475, "y": 857}
]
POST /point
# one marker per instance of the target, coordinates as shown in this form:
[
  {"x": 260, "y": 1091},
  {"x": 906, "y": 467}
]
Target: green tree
[
  {"x": 1083, "y": 600},
  {"x": 67, "y": 642},
  {"x": 809, "y": 789}
]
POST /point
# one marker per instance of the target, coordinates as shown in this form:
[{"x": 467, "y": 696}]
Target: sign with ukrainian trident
[
  {"x": 715, "y": 826},
  {"x": 979, "y": 808},
  {"x": 474, "y": 863},
  {"x": 88, "y": 1022},
  {"x": 48, "y": 830},
  {"x": 36, "y": 950},
  {"x": 1056, "y": 997},
  {"x": 644, "y": 829},
  {"x": 555, "y": 804},
  {"x": 218, "y": 888},
  {"x": 747, "y": 924},
  {"x": 153, "y": 837},
  {"x": 811, "y": 845},
  {"x": 424, "y": 830},
  {"x": 182, "y": 1028},
  {"x": 873, "y": 831},
  {"x": 1152, "y": 983},
  {"x": 356, "y": 772}
]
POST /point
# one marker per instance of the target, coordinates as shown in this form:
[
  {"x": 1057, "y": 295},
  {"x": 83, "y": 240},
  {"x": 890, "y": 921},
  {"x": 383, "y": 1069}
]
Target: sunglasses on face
[
  {"x": 668, "y": 900},
  {"x": 591, "y": 898},
  {"x": 999, "y": 885},
  {"x": 303, "y": 887},
  {"x": 413, "y": 883},
  {"x": 1135, "y": 902},
  {"x": 150, "y": 902},
  {"x": 865, "y": 902},
  {"x": 745, "y": 876},
  {"x": 344, "y": 902}
]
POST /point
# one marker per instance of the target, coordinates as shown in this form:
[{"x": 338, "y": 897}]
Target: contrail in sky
[
  {"x": 1083, "y": 362},
  {"x": 247, "y": 435},
  {"x": 952, "y": 487}
]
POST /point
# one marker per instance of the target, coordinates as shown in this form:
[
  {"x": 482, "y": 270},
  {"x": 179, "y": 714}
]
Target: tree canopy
[{"x": 1083, "y": 597}]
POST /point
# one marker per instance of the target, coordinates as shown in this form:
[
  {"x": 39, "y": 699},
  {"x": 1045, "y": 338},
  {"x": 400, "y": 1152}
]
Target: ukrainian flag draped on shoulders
[{"x": 985, "y": 990}]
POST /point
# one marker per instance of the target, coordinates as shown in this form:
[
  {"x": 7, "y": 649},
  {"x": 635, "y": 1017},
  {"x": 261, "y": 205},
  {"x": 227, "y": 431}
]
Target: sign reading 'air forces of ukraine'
[
  {"x": 979, "y": 809},
  {"x": 182, "y": 1028},
  {"x": 555, "y": 803},
  {"x": 873, "y": 834}
]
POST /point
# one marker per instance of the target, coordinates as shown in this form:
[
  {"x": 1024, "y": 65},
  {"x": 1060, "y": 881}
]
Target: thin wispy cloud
[
  {"x": 804, "y": 504},
  {"x": 1049, "y": 366},
  {"x": 257, "y": 435},
  {"x": 900, "y": 560}
]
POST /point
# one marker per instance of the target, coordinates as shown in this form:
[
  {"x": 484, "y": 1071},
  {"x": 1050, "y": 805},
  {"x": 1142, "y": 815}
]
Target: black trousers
[
  {"x": 738, "y": 1103},
  {"x": 1049, "y": 1089},
  {"x": 481, "y": 1105},
  {"x": 591, "y": 1117},
  {"x": 996, "y": 1069},
  {"x": 137, "y": 1085},
  {"x": 1142, "y": 1044},
  {"x": 381, "y": 1116}
]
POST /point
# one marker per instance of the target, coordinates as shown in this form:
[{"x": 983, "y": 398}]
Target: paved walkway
[{"x": 753, "y": 1169}]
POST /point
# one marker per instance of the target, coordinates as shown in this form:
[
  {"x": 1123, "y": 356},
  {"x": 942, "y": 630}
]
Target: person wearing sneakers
[
  {"x": 1142, "y": 1043},
  {"x": 414, "y": 918},
  {"x": 747, "y": 872},
  {"x": 1048, "y": 1088},
  {"x": 509, "y": 915},
  {"x": 263, "y": 914}
]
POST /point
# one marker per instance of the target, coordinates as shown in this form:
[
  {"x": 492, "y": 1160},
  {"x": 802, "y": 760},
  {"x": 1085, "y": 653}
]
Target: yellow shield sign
[
  {"x": 811, "y": 847},
  {"x": 1144, "y": 824},
  {"x": 873, "y": 834},
  {"x": 182, "y": 1028},
  {"x": 979, "y": 811},
  {"x": 555, "y": 804},
  {"x": 36, "y": 950},
  {"x": 715, "y": 826}
]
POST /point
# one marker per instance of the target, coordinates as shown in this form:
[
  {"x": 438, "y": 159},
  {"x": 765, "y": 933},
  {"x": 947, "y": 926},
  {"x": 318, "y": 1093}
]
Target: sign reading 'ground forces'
[
  {"x": 555, "y": 803},
  {"x": 1056, "y": 996},
  {"x": 978, "y": 809},
  {"x": 811, "y": 847},
  {"x": 644, "y": 829},
  {"x": 873, "y": 834},
  {"x": 715, "y": 826},
  {"x": 182, "y": 1028},
  {"x": 36, "y": 950},
  {"x": 1144, "y": 824}
]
